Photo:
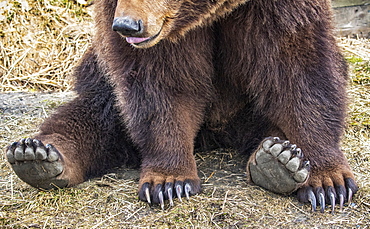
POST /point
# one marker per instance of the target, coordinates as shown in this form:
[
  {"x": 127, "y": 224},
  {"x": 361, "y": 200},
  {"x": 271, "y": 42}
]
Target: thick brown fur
[{"x": 224, "y": 72}]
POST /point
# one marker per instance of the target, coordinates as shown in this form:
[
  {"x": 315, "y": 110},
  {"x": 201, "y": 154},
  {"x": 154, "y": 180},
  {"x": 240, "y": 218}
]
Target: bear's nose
[{"x": 127, "y": 26}]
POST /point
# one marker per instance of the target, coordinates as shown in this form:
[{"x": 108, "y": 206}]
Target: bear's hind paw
[
  {"x": 278, "y": 166},
  {"x": 37, "y": 164}
]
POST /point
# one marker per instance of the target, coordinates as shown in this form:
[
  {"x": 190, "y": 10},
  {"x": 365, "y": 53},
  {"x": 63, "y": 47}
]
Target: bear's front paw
[
  {"x": 331, "y": 186},
  {"x": 36, "y": 164},
  {"x": 157, "y": 187}
]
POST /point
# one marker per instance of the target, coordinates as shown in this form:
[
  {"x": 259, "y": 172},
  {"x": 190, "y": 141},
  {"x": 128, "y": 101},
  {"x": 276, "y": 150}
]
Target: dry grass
[{"x": 40, "y": 44}]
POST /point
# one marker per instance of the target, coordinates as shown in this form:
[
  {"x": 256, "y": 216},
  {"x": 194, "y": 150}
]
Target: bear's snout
[{"x": 127, "y": 26}]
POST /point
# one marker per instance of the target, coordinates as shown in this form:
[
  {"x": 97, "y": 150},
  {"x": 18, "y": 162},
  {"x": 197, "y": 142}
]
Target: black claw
[
  {"x": 341, "y": 201},
  {"x": 332, "y": 202},
  {"x": 37, "y": 143},
  {"x": 28, "y": 142},
  {"x": 178, "y": 188},
  {"x": 157, "y": 195},
  {"x": 331, "y": 195},
  {"x": 144, "y": 190},
  {"x": 322, "y": 202},
  {"x": 351, "y": 189},
  {"x": 144, "y": 193},
  {"x": 341, "y": 195},
  {"x": 50, "y": 147},
  {"x": 299, "y": 152},
  {"x": 276, "y": 139},
  {"x": 169, "y": 192},
  {"x": 286, "y": 143},
  {"x": 14, "y": 144},
  {"x": 320, "y": 196},
  {"x": 312, "y": 198},
  {"x": 350, "y": 194},
  {"x": 161, "y": 200},
  {"x": 147, "y": 195},
  {"x": 187, "y": 190}
]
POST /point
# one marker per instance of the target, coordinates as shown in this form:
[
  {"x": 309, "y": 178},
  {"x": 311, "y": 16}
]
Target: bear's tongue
[{"x": 135, "y": 40}]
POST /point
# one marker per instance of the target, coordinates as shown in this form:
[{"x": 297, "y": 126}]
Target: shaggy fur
[{"x": 220, "y": 73}]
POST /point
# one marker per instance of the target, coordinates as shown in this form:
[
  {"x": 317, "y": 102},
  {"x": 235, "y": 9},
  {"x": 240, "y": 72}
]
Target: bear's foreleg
[
  {"x": 163, "y": 92},
  {"x": 166, "y": 141}
]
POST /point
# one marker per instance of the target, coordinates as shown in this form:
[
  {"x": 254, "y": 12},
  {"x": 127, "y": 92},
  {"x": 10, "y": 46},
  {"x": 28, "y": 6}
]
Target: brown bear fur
[{"x": 224, "y": 72}]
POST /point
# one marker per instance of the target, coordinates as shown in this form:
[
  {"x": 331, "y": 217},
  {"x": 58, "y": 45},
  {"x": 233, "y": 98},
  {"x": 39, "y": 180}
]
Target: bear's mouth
[{"x": 141, "y": 41}]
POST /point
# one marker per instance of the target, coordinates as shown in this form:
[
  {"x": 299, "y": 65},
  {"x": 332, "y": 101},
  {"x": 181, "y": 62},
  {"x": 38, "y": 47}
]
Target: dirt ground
[
  {"x": 226, "y": 202},
  {"x": 111, "y": 201},
  {"x": 42, "y": 59}
]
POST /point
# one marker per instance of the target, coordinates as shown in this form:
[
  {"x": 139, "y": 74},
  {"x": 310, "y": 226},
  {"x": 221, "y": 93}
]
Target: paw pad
[
  {"x": 36, "y": 164},
  {"x": 278, "y": 166}
]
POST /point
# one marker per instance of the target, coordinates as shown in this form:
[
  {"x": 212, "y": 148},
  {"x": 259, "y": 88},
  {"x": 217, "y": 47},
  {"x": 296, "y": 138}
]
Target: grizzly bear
[{"x": 165, "y": 77}]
